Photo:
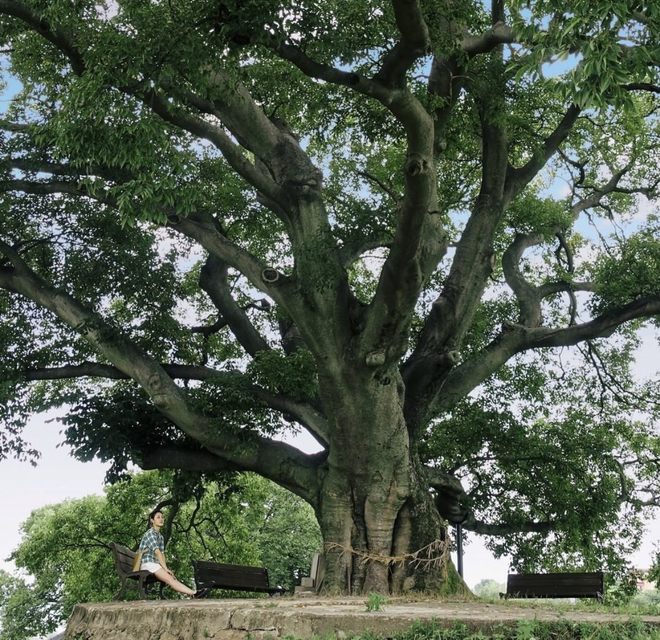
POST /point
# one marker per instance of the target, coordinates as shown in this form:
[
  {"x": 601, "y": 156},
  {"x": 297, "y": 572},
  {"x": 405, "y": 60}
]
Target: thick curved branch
[
  {"x": 167, "y": 397},
  {"x": 303, "y": 413},
  {"x": 602, "y": 326},
  {"x": 277, "y": 461},
  {"x": 503, "y": 529},
  {"x": 527, "y": 295},
  {"x": 518, "y": 179},
  {"x": 319, "y": 71},
  {"x": 515, "y": 339},
  {"x": 217, "y": 136},
  {"x": 498, "y": 35},
  {"x": 642, "y": 86},
  {"x": 41, "y": 188},
  {"x": 60, "y": 38},
  {"x": 552, "y": 288},
  {"x": 203, "y": 228},
  {"x": 352, "y": 252}
]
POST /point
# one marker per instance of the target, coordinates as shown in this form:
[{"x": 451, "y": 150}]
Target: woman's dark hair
[{"x": 153, "y": 514}]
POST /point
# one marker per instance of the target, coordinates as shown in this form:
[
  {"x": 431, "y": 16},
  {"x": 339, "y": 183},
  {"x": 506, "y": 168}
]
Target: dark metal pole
[{"x": 459, "y": 549}]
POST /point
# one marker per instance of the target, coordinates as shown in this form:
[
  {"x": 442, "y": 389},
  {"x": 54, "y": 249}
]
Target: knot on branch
[
  {"x": 270, "y": 275},
  {"x": 448, "y": 358},
  {"x": 416, "y": 164},
  {"x": 43, "y": 26},
  {"x": 509, "y": 327},
  {"x": 375, "y": 359},
  {"x": 158, "y": 392}
]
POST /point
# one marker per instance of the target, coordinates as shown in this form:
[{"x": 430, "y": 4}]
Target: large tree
[{"x": 414, "y": 229}]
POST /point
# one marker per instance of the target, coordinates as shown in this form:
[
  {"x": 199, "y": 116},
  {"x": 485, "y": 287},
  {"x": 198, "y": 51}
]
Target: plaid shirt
[{"x": 151, "y": 540}]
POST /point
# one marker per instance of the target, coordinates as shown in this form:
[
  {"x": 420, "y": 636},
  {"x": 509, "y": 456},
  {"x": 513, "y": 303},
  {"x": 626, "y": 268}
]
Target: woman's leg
[{"x": 170, "y": 580}]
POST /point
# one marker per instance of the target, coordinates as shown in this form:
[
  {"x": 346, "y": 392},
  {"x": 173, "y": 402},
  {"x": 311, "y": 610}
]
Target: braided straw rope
[{"x": 437, "y": 552}]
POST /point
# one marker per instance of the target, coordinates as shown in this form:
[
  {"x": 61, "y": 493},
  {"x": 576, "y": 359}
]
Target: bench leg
[
  {"x": 120, "y": 593},
  {"x": 141, "y": 588}
]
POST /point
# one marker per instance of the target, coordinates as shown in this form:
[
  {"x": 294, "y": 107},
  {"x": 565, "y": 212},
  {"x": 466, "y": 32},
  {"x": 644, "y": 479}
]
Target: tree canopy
[
  {"x": 421, "y": 231},
  {"x": 64, "y": 556}
]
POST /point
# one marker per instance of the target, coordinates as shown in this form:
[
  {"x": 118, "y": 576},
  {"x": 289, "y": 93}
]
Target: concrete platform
[{"x": 276, "y": 618}]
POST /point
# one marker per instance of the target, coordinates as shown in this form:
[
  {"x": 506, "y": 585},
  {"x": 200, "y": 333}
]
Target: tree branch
[
  {"x": 518, "y": 179},
  {"x": 277, "y": 461},
  {"x": 503, "y": 529},
  {"x": 303, "y": 413},
  {"x": 415, "y": 43},
  {"x": 499, "y": 34},
  {"x": 516, "y": 339},
  {"x": 60, "y": 38},
  {"x": 213, "y": 280},
  {"x": 642, "y": 86},
  {"x": 527, "y": 295}
]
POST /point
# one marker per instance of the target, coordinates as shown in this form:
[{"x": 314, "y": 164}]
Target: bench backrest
[
  {"x": 556, "y": 585},
  {"x": 123, "y": 558},
  {"x": 231, "y": 576}
]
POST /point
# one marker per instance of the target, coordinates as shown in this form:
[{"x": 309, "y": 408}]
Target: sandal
[{"x": 201, "y": 593}]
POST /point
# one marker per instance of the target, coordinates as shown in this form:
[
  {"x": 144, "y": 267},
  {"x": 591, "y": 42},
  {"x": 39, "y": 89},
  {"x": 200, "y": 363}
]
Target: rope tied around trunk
[{"x": 429, "y": 556}]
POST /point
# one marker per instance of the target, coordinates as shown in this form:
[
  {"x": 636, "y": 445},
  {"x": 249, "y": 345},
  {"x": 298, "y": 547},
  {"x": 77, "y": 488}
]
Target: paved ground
[{"x": 301, "y": 618}]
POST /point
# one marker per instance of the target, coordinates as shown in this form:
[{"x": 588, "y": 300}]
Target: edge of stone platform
[{"x": 277, "y": 618}]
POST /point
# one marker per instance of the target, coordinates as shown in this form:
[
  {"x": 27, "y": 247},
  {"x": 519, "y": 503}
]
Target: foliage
[
  {"x": 65, "y": 558},
  {"x": 489, "y": 589},
  {"x": 421, "y": 233}
]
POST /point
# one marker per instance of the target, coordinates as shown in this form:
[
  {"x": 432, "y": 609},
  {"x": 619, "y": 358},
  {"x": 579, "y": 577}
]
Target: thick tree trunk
[
  {"x": 392, "y": 548},
  {"x": 381, "y": 529}
]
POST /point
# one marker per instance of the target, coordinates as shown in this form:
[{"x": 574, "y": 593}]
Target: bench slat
[{"x": 215, "y": 575}]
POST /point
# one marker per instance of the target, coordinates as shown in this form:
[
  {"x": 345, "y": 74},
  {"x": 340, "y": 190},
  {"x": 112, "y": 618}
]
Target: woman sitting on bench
[{"x": 152, "y": 546}]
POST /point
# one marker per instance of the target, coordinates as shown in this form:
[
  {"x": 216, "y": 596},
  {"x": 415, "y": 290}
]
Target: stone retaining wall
[{"x": 278, "y": 618}]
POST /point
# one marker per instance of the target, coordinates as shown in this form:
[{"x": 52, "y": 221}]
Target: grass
[
  {"x": 376, "y": 602},
  {"x": 633, "y": 629}
]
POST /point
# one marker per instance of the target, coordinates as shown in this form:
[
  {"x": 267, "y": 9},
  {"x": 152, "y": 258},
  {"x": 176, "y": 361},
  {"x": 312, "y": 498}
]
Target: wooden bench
[
  {"x": 234, "y": 577},
  {"x": 555, "y": 585},
  {"x": 124, "y": 564}
]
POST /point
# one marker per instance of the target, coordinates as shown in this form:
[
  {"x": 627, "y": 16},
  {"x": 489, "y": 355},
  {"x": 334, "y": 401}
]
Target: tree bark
[{"x": 382, "y": 531}]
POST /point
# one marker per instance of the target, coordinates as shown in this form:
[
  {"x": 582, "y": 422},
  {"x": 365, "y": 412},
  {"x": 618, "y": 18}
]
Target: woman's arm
[{"x": 161, "y": 560}]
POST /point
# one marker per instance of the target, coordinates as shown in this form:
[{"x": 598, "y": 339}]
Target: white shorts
[{"x": 150, "y": 566}]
